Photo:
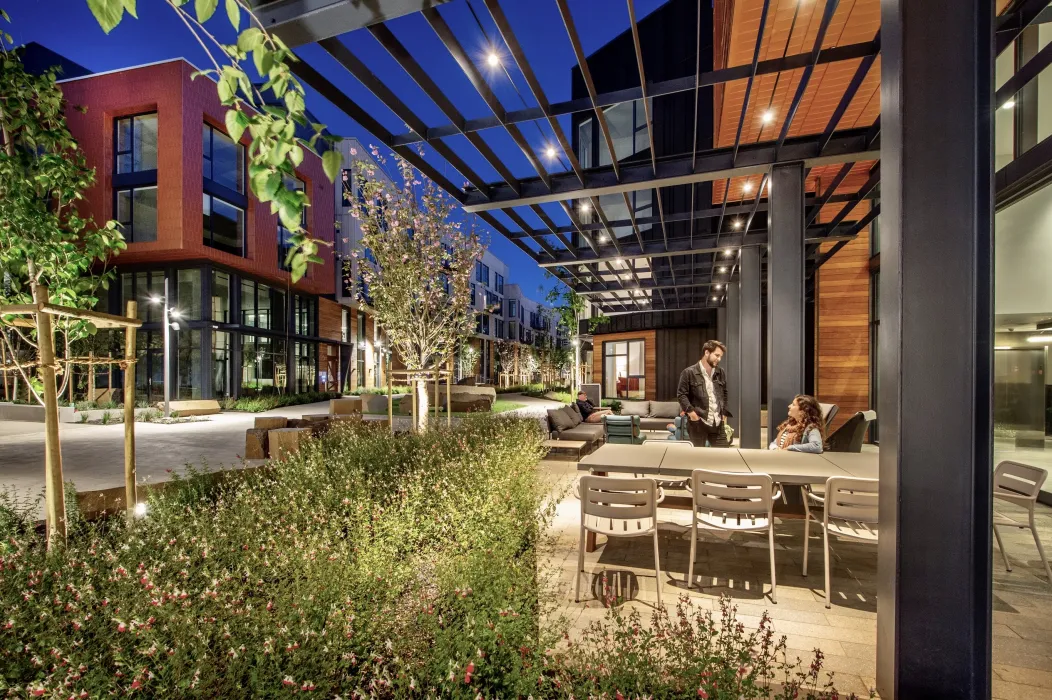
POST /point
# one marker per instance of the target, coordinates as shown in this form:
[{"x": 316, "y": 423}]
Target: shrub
[
  {"x": 107, "y": 417},
  {"x": 382, "y": 391},
  {"x": 267, "y": 402}
]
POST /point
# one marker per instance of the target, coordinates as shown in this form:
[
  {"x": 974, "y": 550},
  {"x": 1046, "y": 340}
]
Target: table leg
[{"x": 589, "y": 540}]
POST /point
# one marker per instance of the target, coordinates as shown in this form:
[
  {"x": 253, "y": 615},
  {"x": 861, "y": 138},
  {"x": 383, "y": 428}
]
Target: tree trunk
[{"x": 420, "y": 392}]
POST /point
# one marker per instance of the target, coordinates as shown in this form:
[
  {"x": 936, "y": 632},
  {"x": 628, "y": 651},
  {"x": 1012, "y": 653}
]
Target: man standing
[{"x": 703, "y": 397}]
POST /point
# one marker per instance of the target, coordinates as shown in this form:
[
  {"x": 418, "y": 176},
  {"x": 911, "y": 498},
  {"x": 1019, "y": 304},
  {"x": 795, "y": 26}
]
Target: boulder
[
  {"x": 256, "y": 443},
  {"x": 285, "y": 441}
]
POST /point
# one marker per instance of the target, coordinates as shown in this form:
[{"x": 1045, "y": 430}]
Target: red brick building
[{"x": 167, "y": 171}]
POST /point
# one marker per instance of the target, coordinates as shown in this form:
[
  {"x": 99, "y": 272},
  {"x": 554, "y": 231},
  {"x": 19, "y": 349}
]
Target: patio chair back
[
  {"x": 1018, "y": 481},
  {"x": 593, "y": 392},
  {"x": 852, "y": 499},
  {"x": 632, "y": 503},
  {"x": 849, "y": 436},
  {"x": 731, "y": 493},
  {"x": 622, "y": 430},
  {"x": 829, "y": 411}
]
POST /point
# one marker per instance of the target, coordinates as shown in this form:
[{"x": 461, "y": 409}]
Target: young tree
[
  {"x": 468, "y": 358},
  {"x": 528, "y": 363},
  {"x": 43, "y": 238},
  {"x": 506, "y": 356},
  {"x": 415, "y": 263},
  {"x": 570, "y": 308}
]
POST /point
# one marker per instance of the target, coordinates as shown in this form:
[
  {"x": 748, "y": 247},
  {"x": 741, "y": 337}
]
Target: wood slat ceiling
[{"x": 854, "y": 21}]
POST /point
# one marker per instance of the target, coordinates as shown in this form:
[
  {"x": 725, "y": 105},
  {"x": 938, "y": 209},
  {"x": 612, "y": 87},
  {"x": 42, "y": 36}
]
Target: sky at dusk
[{"x": 68, "y": 27}]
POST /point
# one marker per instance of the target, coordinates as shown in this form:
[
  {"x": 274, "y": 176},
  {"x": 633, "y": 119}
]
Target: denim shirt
[{"x": 811, "y": 443}]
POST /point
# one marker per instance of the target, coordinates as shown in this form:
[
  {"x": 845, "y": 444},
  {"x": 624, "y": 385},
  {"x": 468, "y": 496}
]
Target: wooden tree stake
[{"x": 53, "y": 482}]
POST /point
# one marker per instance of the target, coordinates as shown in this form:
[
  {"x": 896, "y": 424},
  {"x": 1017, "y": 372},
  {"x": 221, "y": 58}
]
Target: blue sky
[{"x": 68, "y": 27}]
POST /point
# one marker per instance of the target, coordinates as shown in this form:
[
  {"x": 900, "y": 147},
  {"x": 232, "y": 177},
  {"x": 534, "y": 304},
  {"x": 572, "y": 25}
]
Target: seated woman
[{"x": 804, "y": 430}]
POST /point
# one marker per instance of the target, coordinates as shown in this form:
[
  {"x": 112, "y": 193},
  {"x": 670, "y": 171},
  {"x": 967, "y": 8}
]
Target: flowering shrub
[
  {"x": 268, "y": 402},
  {"x": 366, "y": 565}
]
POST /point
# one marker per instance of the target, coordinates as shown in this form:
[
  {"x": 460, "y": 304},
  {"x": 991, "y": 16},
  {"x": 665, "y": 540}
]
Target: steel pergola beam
[
  {"x": 299, "y": 22},
  {"x": 849, "y": 94},
  {"x": 683, "y": 169},
  {"x": 665, "y": 87}
]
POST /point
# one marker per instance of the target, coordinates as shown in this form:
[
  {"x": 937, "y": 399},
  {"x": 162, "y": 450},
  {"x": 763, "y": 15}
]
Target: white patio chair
[
  {"x": 1019, "y": 484},
  {"x": 618, "y": 508},
  {"x": 849, "y": 511},
  {"x": 733, "y": 502}
]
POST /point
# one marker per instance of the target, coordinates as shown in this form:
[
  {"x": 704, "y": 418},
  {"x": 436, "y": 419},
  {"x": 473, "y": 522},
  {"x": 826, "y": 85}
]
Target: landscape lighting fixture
[{"x": 140, "y": 509}]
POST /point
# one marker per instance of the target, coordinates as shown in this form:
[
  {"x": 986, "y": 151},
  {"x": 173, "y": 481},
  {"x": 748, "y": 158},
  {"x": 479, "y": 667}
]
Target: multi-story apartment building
[
  {"x": 169, "y": 173},
  {"x": 488, "y": 290}
]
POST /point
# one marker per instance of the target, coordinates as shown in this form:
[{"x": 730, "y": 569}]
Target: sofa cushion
[
  {"x": 635, "y": 408},
  {"x": 663, "y": 409},
  {"x": 585, "y": 432},
  {"x": 558, "y": 421},
  {"x": 576, "y": 411},
  {"x": 573, "y": 416},
  {"x": 655, "y": 423}
]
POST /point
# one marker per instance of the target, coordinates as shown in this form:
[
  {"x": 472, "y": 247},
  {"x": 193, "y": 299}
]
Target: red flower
[
  {"x": 122, "y": 627},
  {"x": 702, "y": 693}
]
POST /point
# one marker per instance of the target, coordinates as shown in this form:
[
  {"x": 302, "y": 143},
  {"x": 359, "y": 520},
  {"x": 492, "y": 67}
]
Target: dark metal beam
[
  {"x": 299, "y": 22},
  {"x": 751, "y": 347},
  {"x": 848, "y": 96},
  {"x": 816, "y": 208},
  {"x": 666, "y": 87},
  {"x": 748, "y": 85},
  {"x": 1012, "y": 23},
  {"x": 449, "y": 40},
  {"x": 855, "y": 229},
  {"x": 936, "y": 351},
  {"x": 714, "y": 164},
  {"x": 409, "y": 64},
  {"x": 1034, "y": 67}
]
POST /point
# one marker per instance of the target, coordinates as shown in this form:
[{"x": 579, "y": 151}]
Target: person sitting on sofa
[
  {"x": 589, "y": 412},
  {"x": 804, "y": 429}
]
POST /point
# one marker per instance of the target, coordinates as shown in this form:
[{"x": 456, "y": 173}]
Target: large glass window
[
  {"x": 306, "y": 316},
  {"x": 498, "y": 283},
  {"x": 263, "y": 364},
  {"x": 221, "y": 363},
  {"x": 224, "y": 160},
  {"x": 220, "y": 297},
  {"x": 188, "y": 366},
  {"x": 136, "y": 212},
  {"x": 623, "y": 369},
  {"x": 262, "y": 306},
  {"x": 189, "y": 292},
  {"x": 359, "y": 350},
  {"x": 584, "y": 143},
  {"x": 345, "y": 325},
  {"x": 306, "y": 359},
  {"x": 284, "y": 235},
  {"x": 142, "y": 287},
  {"x": 223, "y": 225},
  {"x": 136, "y": 149},
  {"x": 628, "y": 130}
]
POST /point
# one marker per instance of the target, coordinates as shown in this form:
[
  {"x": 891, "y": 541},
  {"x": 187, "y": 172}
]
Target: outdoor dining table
[{"x": 665, "y": 458}]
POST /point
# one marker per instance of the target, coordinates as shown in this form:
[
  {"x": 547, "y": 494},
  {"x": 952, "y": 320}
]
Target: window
[
  {"x": 347, "y": 180},
  {"x": 221, "y": 364},
  {"x": 584, "y": 143},
  {"x": 478, "y": 323},
  {"x": 359, "y": 350},
  {"x": 306, "y": 362},
  {"x": 628, "y": 130},
  {"x": 493, "y": 301},
  {"x": 263, "y": 364},
  {"x": 284, "y": 235},
  {"x": 306, "y": 316},
  {"x": 141, "y": 287},
  {"x": 188, "y": 287},
  {"x": 262, "y": 306},
  {"x": 224, "y": 160},
  {"x": 473, "y": 297},
  {"x": 513, "y": 308},
  {"x": 498, "y": 283},
  {"x": 136, "y": 212},
  {"x": 498, "y": 328},
  {"x": 481, "y": 273},
  {"x": 485, "y": 324},
  {"x": 623, "y": 373},
  {"x": 136, "y": 149},
  {"x": 345, "y": 325},
  {"x": 224, "y": 226},
  {"x": 220, "y": 297},
  {"x": 188, "y": 363}
]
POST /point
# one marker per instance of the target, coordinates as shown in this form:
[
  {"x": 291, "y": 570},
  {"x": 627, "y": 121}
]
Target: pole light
[{"x": 168, "y": 314}]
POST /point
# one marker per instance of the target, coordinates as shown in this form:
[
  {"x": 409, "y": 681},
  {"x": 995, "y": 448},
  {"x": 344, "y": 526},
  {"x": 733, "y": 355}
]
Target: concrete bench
[
  {"x": 193, "y": 407},
  {"x": 567, "y": 450},
  {"x": 348, "y": 405}
]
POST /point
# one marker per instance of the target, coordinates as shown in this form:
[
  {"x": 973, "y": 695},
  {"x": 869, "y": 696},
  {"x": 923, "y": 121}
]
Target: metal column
[
  {"x": 785, "y": 291},
  {"x": 934, "y": 577},
  {"x": 749, "y": 398},
  {"x": 732, "y": 361}
]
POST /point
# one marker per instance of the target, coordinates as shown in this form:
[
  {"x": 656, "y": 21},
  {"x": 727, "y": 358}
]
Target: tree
[
  {"x": 570, "y": 308},
  {"x": 469, "y": 356},
  {"x": 506, "y": 355},
  {"x": 415, "y": 263},
  {"x": 275, "y": 151},
  {"x": 43, "y": 239},
  {"x": 528, "y": 363}
]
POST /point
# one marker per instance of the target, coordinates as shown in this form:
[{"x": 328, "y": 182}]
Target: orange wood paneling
[
  {"x": 330, "y": 319},
  {"x": 649, "y": 339}
]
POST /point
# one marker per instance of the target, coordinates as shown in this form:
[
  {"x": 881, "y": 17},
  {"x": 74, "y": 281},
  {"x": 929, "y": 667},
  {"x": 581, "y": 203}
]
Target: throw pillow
[
  {"x": 558, "y": 420},
  {"x": 571, "y": 416},
  {"x": 635, "y": 408},
  {"x": 576, "y": 411}
]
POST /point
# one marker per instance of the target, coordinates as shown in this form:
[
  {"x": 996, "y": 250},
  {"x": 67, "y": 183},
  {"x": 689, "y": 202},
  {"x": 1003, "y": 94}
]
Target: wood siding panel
[
  {"x": 842, "y": 354},
  {"x": 677, "y": 349}
]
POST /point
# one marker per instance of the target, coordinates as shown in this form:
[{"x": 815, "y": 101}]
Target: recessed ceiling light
[
  {"x": 728, "y": 253},
  {"x": 747, "y": 187},
  {"x": 493, "y": 59},
  {"x": 619, "y": 261},
  {"x": 1039, "y": 339},
  {"x": 723, "y": 269},
  {"x": 550, "y": 152},
  {"x": 1009, "y": 104},
  {"x": 714, "y": 298},
  {"x": 585, "y": 206},
  {"x": 768, "y": 117},
  {"x": 718, "y": 286},
  {"x": 1002, "y": 347},
  {"x": 603, "y": 238},
  {"x": 737, "y": 223}
]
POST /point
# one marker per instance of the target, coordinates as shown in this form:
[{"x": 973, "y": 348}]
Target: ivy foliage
[{"x": 275, "y": 150}]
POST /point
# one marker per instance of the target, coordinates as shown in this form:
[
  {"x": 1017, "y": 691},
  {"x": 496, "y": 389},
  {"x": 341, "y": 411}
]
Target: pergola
[{"x": 929, "y": 151}]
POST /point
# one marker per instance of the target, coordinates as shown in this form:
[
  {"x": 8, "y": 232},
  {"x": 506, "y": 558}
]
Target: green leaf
[
  {"x": 250, "y": 39},
  {"x": 296, "y": 156},
  {"x": 294, "y": 101},
  {"x": 129, "y": 5},
  {"x": 205, "y": 9},
  {"x": 263, "y": 59},
  {"x": 233, "y": 13},
  {"x": 331, "y": 162},
  {"x": 108, "y": 13},
  {"x": 236, "y": 122}
]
